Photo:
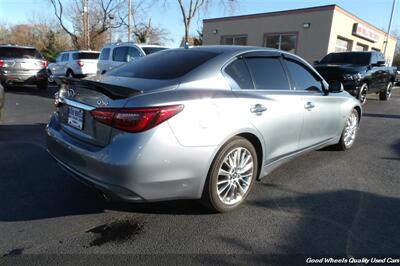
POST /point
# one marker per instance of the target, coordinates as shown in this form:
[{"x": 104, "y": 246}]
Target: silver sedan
[{"x": 199, "y": 123}]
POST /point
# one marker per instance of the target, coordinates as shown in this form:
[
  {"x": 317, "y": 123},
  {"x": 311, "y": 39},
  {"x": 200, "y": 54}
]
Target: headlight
[{"x": 356, "y": 76}]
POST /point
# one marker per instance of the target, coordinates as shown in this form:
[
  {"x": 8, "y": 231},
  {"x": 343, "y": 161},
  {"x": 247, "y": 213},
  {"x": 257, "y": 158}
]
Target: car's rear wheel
[
  {"x": 349, "y": 132},
  {"x": 362, "y": 94},
  {"x": 70, "y": 74},
  {"x": 386, "y": 93},
  {"x": 231, "y": 176}
]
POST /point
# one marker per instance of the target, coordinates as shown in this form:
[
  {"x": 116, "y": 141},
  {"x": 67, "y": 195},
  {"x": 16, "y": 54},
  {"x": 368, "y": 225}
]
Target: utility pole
[
  {"x": 389, "y": 28},
  {"x": 129, "y": 19},
  {"x": 86, "y": 25}
]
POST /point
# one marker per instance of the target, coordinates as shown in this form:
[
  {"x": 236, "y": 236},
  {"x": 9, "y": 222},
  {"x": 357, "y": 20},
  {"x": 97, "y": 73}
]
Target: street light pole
[
  {"x": 86, "y": 27},
  {"x": 389, "y": 28},
  {"x": 129, "y": 19}
]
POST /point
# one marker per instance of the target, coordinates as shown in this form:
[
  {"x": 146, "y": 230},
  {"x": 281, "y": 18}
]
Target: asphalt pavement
[{"x": 321, "y": 204}]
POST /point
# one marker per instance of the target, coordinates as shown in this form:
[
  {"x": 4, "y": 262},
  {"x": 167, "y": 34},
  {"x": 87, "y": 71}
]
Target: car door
[
  {"x": 321, "y": 112},
  {"x": 104, "y": 59},
  {"x": 55, "y": 67},
  {"x": 64, "y": 64},
  {"x": 261, "y": 83},
  {"x": 375, "y": 76}
]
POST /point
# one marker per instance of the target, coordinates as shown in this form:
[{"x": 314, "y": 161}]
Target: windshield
[
  {"x": 18, "y": 52},
  {"x": 347, "y": 58},
  {"x": 151, "y": 50},
  {"x": 85, "y": 56},
  {"x": 169, "y": 64}
]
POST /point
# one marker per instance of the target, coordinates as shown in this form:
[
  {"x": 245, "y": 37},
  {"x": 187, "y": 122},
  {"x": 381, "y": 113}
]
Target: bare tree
[
  {"x": 101, "y": 13},
  {"x": 192, "y": 8},
  {"x": 147, "y": 33}
]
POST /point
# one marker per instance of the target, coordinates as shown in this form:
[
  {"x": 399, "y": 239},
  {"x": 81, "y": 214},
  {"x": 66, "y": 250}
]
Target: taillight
[
  {"x": 135, "y": 119},
  {"x": 80, "y": 63},
  {"x": 1, "y": 63},
  {"x": 45, "y": 63}
]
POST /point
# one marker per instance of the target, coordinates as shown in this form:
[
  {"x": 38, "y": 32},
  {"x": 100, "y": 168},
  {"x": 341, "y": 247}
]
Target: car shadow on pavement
[
  {"x": 33, "y": 186},
  {"x": 332, "y": 223},
  {"x": 381, "y": 115},
  {"x": 32, "y": 90}
]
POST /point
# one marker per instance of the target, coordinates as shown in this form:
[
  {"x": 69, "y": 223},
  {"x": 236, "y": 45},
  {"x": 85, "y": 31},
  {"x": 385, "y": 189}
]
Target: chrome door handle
[
  {"x": 309, "y": 106},
  {"x": 258, "y": 109}
]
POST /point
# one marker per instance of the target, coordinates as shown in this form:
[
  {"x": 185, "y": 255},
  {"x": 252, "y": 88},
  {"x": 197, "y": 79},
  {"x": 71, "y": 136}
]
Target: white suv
[
  {"x": 75, "y": 64},
  {"x": 116, "y": 54}
]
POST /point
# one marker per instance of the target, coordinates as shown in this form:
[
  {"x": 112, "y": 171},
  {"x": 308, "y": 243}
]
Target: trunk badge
[
  {"x": 71, "y": 93},
  {"x": 102, "y": 102}
]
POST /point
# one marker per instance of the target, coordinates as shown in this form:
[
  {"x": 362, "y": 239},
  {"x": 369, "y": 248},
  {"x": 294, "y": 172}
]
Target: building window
[
  {"x": 234, "y": 40},
  {"x": 361, "y": 47},
  {"x": 375, "y": 49},
  {"x": 343, "y": 45},
  {"x": 282, "y": 41}
]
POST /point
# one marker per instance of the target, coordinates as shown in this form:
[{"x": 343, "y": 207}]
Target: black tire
[
  {"x": 362, "y": 93},
  {"x": 386, "y": 93},
  {"x": 210, "y": 197},
  {"x": 341, "y": 145},
  {"x": 43, "y": 85},
  {"x": 70, "y": 74}
]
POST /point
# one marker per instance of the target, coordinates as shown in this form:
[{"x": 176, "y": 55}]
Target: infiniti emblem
[
  {"x": 102, "y": 102},
  {"x": 71, "y": 93}
]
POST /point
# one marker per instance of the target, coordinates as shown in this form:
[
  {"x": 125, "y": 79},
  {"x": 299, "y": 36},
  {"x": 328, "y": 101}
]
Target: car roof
[
  {"x": 141, "y": 45},
  {"x": 80, "y": 51}
]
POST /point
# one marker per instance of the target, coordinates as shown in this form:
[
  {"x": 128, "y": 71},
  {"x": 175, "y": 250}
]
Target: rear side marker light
[{"x": 135, "y": 119}]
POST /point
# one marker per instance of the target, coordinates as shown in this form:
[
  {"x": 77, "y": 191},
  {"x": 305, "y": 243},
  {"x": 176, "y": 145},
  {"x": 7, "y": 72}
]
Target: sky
[{"x": 168, "y": 15}]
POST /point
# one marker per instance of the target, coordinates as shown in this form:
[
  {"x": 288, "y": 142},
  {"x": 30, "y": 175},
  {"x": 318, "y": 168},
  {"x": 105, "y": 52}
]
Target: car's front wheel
[
  {"x": 386, "y": 93},
  {"x": 349, "y": 132},
  {"x": 231, "y": 176}
]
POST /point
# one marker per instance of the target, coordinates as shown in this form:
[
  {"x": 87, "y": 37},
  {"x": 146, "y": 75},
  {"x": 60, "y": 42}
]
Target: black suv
[
  {"x": 360, "y": 72},
  {"x": 22, "y": 65}
]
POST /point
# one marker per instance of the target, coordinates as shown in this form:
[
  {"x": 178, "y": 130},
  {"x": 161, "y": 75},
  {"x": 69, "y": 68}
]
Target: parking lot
[{"x": 324, "y": 203}]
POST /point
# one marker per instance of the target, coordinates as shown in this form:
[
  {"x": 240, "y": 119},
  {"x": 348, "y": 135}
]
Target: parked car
[
  {"x": 1, "y": 100},
  {"x": 398, "y": 76},
  {"x": 360, "y": 72},
  {"x": 22, "y": 65},
  {"x": 116, "y": 54},
  {"x": 76, "y": 63},
  {"x": 200, "y": 123}
]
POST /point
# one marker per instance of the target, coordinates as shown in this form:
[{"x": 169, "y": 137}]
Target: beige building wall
[
  {"x": 342, "y": 26},
  {"x": 313, "y": 43}
]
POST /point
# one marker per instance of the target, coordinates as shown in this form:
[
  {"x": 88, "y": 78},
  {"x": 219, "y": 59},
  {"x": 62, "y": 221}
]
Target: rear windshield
[
  {"x": 17, "y": 52},
  {"x": 169, "y": 64},
  {"x": 151, "y": 50},
  {"x": 76, "y": 56},
  {"x": 347, "y": 58}
]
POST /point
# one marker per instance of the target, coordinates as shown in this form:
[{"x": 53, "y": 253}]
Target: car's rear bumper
[
  {"x": 148, "y": 166},
  {"x": 18, "y": 78}
]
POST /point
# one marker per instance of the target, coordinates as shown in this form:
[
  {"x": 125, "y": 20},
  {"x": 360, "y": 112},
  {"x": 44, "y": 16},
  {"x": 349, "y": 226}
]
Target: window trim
[
  {"x": 233, "y": 36},
  {"x": 361, "y": 45},
  {"x": 229, "y": 79},
  {"x": 280, "y": 34}
]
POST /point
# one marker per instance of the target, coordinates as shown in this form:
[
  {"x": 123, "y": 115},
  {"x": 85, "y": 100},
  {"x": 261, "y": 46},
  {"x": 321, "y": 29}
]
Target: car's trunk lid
[{"x": 79, "y": 97}]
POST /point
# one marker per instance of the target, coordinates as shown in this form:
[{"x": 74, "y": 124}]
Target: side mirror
[
  {"x": 335, "y": 87},
  {"x": 316, "y": 62}
]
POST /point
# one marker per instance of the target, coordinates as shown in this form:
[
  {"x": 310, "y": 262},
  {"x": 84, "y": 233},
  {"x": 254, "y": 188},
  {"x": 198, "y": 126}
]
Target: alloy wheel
[
  {"x": 363, "y": 94},
  {"x": 350, "y": 130},
  {"x": 235, "y": 176}
]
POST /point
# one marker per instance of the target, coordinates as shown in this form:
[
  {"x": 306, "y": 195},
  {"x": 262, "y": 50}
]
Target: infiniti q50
[{"x": 199, "y": 123}]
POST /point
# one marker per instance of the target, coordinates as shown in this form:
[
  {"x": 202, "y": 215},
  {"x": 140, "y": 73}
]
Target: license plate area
[{"x": 75, "y": 117}]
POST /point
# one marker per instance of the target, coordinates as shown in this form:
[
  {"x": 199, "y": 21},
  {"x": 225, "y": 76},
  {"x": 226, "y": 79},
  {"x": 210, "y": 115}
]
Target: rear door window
[
  {"x": 105, "y": 54},
  {"x": 238, "y": 71},
  {"x": 120, "y": 53},
  {"x": 85, "y": 55},
  {"x": 268, "y": 73},
  {"x": 19, "y": 52},
  {"x": 170, "y": 64},
  {"x": 302, "y": 77},
  {"x": 65, "y": 57}
]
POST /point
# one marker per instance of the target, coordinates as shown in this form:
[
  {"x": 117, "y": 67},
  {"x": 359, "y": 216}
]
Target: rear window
[
  {"x": 105, "y": 54},
  {"x": 166, "y": 65},
  {"x": 151, "y": 50},
  {"x": 17, "y": 52},
  {"x": 77, "y": 56},
  {"x": 347, "y": 58}
]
